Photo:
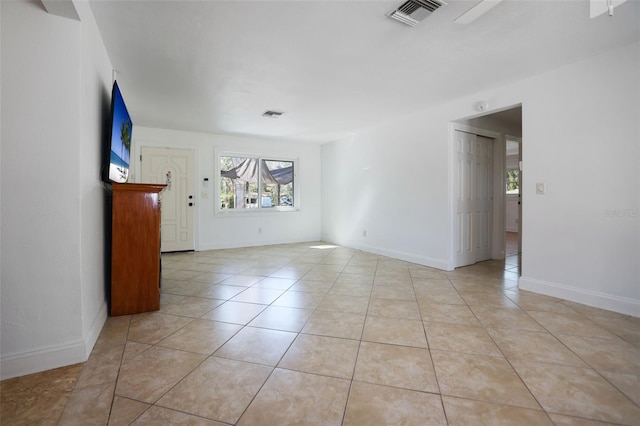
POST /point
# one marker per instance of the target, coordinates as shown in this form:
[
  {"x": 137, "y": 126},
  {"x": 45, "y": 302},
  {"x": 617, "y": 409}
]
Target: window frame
[{"x": 259, "y": 210}]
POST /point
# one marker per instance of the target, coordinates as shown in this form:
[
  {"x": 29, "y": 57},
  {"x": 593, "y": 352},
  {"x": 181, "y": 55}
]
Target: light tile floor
[{"x": 306, "y": 334}]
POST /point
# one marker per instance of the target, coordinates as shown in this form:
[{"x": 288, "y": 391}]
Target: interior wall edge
[
  {"x": 622, "y": 305},
  {"x": 430, "y": 262},
  {"x": 91, "y": 337}
]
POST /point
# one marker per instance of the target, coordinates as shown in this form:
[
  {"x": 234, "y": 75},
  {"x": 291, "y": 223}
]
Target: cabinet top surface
[{"x": 137, "y": 187}]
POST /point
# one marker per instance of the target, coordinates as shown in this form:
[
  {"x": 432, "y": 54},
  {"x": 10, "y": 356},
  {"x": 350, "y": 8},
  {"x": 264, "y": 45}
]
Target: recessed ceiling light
[{"x": 272, "y": 114}]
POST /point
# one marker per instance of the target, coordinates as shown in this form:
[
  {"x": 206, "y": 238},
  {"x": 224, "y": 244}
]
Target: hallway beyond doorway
[{"x": 511, "y": 252}]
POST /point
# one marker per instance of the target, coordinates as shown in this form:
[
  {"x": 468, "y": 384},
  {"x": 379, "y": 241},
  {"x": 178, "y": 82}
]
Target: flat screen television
[{"x": 118, "y": 146}]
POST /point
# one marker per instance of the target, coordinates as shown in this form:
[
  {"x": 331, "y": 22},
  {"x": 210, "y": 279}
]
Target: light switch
[{"x": 541, "y": 188}]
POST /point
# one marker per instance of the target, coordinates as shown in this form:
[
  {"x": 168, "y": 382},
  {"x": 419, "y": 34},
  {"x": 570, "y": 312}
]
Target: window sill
[{"x": 256, "y": 212}]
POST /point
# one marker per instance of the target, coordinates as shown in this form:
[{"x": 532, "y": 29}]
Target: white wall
[
  {"x": 224, "y": 230},
  {"x": 53, "y": 77},
  {"x": 581, "y": 135},
  {"x": 95, "y": 98},
  {"x": 393, "y": 181}
]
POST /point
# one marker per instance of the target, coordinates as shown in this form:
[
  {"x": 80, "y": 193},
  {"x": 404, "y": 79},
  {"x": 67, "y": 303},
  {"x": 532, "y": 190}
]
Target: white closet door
[{"x": 473, "y": 183}]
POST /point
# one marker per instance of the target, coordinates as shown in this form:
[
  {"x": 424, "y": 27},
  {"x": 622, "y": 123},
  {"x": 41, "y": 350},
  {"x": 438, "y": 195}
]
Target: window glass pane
[
  {"x": 251, "y": 195},
  {"x": 513, "y": 181},
  {"x": 227, "y": 185},
  {"x": 277, "y": 183},
  {"x": 238, "y": 182}
]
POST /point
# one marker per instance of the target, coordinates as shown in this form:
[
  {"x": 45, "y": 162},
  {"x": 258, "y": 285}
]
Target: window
[
  {"x": 513, "y": 181},
  {"x": 256, "y": 183}
]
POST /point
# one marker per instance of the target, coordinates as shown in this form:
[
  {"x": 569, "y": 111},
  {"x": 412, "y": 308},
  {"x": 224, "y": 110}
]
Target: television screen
[{"x": 120, "y": 140}]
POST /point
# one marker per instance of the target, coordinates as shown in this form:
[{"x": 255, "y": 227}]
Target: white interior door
[
  {"x": 173, "y": 167},
  {"x": 464, "y": 200},
  {"x": 483, "y": 198},
  {"x": 473, "y": 191}
]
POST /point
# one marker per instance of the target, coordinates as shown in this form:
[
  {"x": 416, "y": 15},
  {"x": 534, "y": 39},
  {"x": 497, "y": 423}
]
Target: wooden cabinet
[{"x": 135, "y": 248}]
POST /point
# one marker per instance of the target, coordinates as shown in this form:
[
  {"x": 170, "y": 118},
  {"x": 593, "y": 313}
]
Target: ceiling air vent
[
  {"x": 272, "y": 114},
  {"x": 413, "y": 11}
]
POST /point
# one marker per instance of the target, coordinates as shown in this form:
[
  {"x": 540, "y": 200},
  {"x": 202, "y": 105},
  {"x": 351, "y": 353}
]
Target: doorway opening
[
  {"x": 512, "y": 252},
  {"x": 505, "y": 226},
  {"x": 513, "y": 204}
]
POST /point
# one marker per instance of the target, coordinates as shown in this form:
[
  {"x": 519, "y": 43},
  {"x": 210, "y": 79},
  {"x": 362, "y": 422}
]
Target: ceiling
[{"x": 331, "y": 66}]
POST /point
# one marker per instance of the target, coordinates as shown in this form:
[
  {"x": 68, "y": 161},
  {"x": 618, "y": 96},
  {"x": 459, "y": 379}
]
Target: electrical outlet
[
  {"x": 259, "y": 230},
  {"x": 364, "y": 232}
]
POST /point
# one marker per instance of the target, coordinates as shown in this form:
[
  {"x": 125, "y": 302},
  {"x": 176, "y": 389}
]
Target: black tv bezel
[{"x": 109, "y": 135}]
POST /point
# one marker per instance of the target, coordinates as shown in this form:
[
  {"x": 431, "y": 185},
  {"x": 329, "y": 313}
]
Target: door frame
[
  {"x": 520, "y": 198},
  {"x": 135, "y": 175},
  {"x": 498, "y": 222}
]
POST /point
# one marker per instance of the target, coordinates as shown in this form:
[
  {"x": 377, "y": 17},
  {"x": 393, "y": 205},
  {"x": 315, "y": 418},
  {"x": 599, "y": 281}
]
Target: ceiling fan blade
[{"x": 477, "y": 11}]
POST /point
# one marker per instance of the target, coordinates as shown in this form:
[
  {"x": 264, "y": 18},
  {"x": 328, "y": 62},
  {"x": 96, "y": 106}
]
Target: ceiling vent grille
[
  {"x": 272, "y": 114},
  {"x": 413, "y": 11}
]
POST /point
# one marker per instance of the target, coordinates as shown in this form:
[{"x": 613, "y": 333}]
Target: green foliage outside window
[{"x": 513, "y": 181}]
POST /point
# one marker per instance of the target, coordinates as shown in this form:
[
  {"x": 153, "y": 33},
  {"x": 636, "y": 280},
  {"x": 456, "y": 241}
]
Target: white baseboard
[
  {"x": 597, "y": 299},
  {"x": 253, "y": 243},
  {"x": 407, "y": 257},
  {"x": 50, "y": 357},
  {"x": 42, "y": 359},
  {"x": 395, "y": 254},
  {"x": 96, "y": 327}
]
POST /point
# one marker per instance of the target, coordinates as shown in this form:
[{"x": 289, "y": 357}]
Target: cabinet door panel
[{"x": 135, "y": 249}]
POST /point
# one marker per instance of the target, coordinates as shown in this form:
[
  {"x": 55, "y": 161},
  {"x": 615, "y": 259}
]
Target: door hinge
[{"x": 140, "y": 157}]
